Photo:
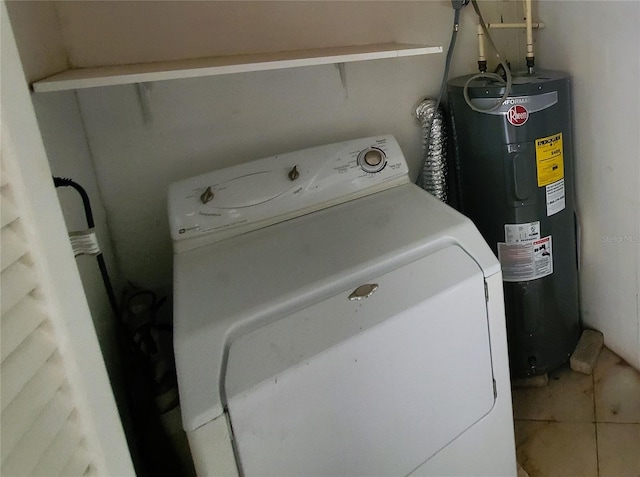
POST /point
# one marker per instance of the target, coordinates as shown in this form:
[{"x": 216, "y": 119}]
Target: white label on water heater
[
  {"x": 528, "y": 260},
  {"x": 555, "y": 197},
  {"x": 521, "y": 232}
]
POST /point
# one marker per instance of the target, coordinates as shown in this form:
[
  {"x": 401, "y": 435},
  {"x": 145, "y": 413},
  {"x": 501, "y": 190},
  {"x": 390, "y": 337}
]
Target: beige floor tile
[
  {"x": 617, "y": 390},
  {"x": 567, "y": 398},
  {"x": 522, "y": 472},
  {"x": 557, "y": 449},
  {"x": 618, "y": 450}
]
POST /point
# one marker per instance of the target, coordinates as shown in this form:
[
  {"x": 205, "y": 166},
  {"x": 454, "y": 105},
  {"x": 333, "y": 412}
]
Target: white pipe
[
  {"x": 534, "y": 25},
  {"x": 528, "y": 21},
  {"x": 481, "y": 56},
  {"x": 529, "y": 25}
]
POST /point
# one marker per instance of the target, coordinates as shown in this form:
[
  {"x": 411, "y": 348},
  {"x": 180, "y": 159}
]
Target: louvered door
[
  {"x": 41, "y": 432},
  {"x": 58, "y": 414}
]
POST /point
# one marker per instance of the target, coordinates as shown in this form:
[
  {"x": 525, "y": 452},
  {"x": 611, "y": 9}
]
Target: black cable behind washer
[{"x": 65, "y": 182}]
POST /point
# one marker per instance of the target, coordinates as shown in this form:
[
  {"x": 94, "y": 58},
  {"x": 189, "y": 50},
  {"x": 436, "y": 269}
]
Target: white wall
[
  {"x": 69, "y": 156},
  {"x": 37, "y": 33},
  {"x": 598, "y": 42},
  {"x": 202, "y": 124}
]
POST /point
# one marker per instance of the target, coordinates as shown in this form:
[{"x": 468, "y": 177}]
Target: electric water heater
[{"x": 514, "y": 171}]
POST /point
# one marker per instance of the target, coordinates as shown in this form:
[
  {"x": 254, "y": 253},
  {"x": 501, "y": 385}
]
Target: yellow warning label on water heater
[{"x": 549, "y": 159}]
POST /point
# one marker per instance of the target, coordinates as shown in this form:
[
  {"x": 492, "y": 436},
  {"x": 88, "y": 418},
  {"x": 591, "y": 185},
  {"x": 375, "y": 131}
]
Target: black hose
[
  {"x": 447, "y": 65},
  {"x": 65, "y": 182}
]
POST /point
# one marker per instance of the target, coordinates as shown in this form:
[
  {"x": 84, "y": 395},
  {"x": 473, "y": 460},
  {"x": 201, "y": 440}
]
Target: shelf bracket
[
  {"x": 343, "y": 77},
  {"x": 144, "y": 98}
]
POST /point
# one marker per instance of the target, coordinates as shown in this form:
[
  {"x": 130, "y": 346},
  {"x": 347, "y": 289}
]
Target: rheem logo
[{"x": 517, "y": 115}]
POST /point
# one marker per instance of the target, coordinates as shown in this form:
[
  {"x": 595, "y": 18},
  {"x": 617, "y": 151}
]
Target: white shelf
[{"x": 168, "y": 70}]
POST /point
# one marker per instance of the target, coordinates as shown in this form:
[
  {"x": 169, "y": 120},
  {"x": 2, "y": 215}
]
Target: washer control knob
[
  {"x": 372, "y": 160},
  {"x": 293, "y": 173},
  {"x": 206, "y": 196}
]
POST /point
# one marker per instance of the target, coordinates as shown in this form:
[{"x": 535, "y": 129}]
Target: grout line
[
  {"x": 622, "y": 423},
  {"x": 595, "y": 423},
  {"x": 576, "y": 422}
]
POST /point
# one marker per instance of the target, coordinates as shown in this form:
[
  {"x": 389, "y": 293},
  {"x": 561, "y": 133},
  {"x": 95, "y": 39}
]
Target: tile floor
[{"x": 580, "y": 425}]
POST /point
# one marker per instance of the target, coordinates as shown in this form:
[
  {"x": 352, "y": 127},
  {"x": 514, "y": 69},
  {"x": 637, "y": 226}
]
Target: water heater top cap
[{"x": 519, "y": 78}]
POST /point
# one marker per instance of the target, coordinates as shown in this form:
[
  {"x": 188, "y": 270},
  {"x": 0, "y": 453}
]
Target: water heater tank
[{"x": 514, "y": 168}]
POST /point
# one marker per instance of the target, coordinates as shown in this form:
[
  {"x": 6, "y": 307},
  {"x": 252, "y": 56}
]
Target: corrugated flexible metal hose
[{"x": 434, "y": 141}]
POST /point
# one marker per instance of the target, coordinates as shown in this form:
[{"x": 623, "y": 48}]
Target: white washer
[{"x": 331, "y": 318}]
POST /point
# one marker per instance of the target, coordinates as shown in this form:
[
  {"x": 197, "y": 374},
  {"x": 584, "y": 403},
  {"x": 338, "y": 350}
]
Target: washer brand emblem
[{"x": 517, "y": 115}]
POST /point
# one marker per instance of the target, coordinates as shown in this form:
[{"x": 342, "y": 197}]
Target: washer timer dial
[{"x": 372, "y": 160}]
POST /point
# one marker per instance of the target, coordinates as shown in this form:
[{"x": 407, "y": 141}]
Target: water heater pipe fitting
[{"x": 497, "y": 26}]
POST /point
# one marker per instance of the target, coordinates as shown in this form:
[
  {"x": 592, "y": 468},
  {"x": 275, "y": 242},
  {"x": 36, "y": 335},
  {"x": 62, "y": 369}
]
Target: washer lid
[
  {"x": 226, "y": 289},
  {"x": 365, "y": 387}
]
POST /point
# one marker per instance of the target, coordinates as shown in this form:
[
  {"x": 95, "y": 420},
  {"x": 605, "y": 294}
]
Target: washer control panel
[{"x": 245, "y": 197}]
